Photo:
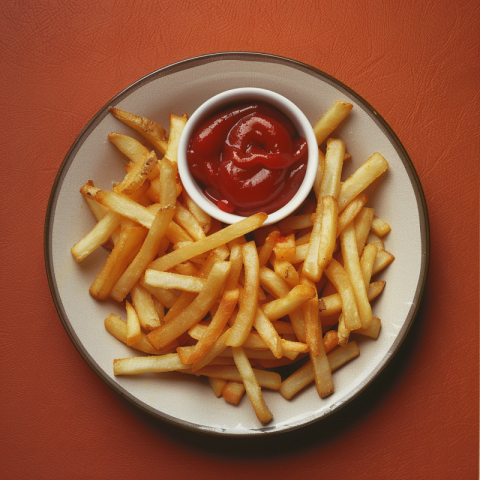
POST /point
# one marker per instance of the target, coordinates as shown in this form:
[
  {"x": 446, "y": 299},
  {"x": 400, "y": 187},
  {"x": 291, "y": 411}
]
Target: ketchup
[{"x": 249, "y": 158}]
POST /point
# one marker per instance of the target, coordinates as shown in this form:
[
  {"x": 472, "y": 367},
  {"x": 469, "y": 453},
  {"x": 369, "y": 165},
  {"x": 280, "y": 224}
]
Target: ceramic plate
[{"x": 182, "y": 399}]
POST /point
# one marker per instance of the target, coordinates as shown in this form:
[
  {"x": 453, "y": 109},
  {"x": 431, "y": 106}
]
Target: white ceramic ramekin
[{"x": 231, "y": 97}]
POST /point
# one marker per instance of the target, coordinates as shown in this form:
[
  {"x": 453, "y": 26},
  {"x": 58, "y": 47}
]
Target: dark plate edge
[{"x": 202, "y": 60}]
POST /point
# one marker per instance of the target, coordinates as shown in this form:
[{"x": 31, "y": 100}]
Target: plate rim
[{"x": 203, "y": 60}]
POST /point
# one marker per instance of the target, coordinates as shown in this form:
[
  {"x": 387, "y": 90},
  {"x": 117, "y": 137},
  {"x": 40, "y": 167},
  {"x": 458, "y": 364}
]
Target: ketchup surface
[{"x": 249, "y": 158}]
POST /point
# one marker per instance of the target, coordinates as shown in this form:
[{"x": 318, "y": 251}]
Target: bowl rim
[
  {"x": 183, "y": 65},
  {"x": 231, "y": 97}
]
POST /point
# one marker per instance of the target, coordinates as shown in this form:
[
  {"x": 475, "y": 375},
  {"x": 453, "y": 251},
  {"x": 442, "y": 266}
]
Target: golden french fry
[
  {"x": 146, "y": 254},
  {"x": 305, "y": 375},
  {"x": 149, "y": 129},
  {"x": 212, "y": 241},
  {"x": 284, "y": 248},
  {"x": 294, "y": 299},
  {"x": 246, "y": 314},
  {"x": 270, "y": 380},
  {"x": 116, "y": 327},
  {"x": 137, "y": 175},
  {"x": 361, "y": 179},
  {"x": 372, "y": 331},
  {"x": 218, "y": 386},
  {"x": 145, "y": 308},
  {"x": 352, "y": 267},
  {"x": 188, "y": 221},
  {"x": 362, "y": 223},
  {"x": 350, "y": 212},
  {"x": 328, "y": 231},
  {"x": 177, "y": 124},
  {"x": 171, "y": 330},
  {"x": 367, "y": 261},
  {"x": 311, "y": 268},
  {"x": 372, "y": 238},
  {"x": 319, "y": 175},
  {"x": 267, "y": 248},
  {"x": 268, "y": 333},
  {"x": 380, "y": 227},
  {"x": 125, "y": 250},
  {"x": 236, "y": 259},
  {"x": 215, "y": 329},
  {"x": 330, "y": 120},
  {"x": 333, "y": 302},
  {"x": 157, "y": 364},
  {"x": 176, "y": 281},
  {"x": 251, "y": 385},
  {"x": 233, "y": 392},
  {"x": 382, "y": 260},
  {"x": 333, "y": 168},
  {"x": 337, "y": 275},
  {"x": 310, "y": 314},
  {"x": 130, "y": 147},
  {"x": 343, "y": 332},
  {"x": 203, "y": 218},
  {"x": 134, "y": 333},
  {"x": 286, "y": 270}
]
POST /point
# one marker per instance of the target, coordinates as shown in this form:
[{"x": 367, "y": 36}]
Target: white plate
[{"x": 182, "y": 87}]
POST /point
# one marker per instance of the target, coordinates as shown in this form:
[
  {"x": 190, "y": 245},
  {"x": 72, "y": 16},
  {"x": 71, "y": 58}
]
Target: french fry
[
  {"x": 333, "y": 302},
  {"x": 145, "y": 308},
  {"x": 380, "y": 227},
  {"x": 294, "y": 299},
  {"x": 350, "y": 212},
  {"x": 328, "y": 231},
  {"x": 188, "y": 221},
  {"x": 286, "y": 270},
  {"x": 284, "y": 248},
  {"x": 372, "y": 331},
  {"x": 319, "y": 174},
  {"x": 125, "y": 250},
  {"x": 177, "y": 124},
  {"x": 372, "y": 238},
  {"x": 149, "y": 129},
  {"x": 171, "y": 330},
  {"x": 137, "y": 175},
  {"x": 311, "y": 268},
  {"x": 218, "y": 386},
  {"x": 157, "y": 364},
  {"x": 333, "y": 168},
  {"x": 214, "y": 330},
  {"x": 212, "y": 241},
  {"x": 215, "y": 350},
  {"x": 233, "y": 392},
  {"x": 134, "y": 333},
  {"x": 251, "y": 385},
  {"x": 268, "y": 333},
  {"x": 270, "y": 380},
  {"x": 267, "y": 248},
  {"x": 203, "y": 218},
  {"x": 116, "y": 327},
  {"x": 361, "y": 179},
  {"x": 236, "y": 259},
  {"x": 185, "y": 283},
  {"x": 130, "y": 147},
  {"x": 352, "y": 267},
  {"x": 382, "y": 260},
  {"x": 310, "y": 314},
  {"x": 367, "y": 261},
  {"x": 330, "y": 120},
  {"x": 246, "y": 314},
  {"x": 146, "y": 254},
  {"x": 305, "y": 375},
  {"x": 337, "y": 275},
  {"x": 362, "y": 223}
]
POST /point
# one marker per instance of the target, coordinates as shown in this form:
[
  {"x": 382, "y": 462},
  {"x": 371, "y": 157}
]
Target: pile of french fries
[{"x": 234, "y": 303}]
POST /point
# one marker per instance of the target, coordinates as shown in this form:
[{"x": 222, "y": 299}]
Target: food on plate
[
  {"x": 238, "y": 304},
  {"x": 249, "y": 158}
]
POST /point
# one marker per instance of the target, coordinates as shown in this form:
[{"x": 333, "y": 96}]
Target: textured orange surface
[{"x": 417, "y": 63}]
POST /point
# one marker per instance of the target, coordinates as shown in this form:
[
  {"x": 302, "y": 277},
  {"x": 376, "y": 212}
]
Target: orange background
[{"x": 417, "y": 63}]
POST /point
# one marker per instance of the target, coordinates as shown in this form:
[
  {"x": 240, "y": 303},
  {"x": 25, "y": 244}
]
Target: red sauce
[{"x": 249, "y": 159}]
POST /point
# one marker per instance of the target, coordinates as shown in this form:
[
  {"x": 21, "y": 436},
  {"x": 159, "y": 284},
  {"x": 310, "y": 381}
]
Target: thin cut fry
[
  {"x": 134, "y": 333},
  {"x": 361, "y": 179},
  {"x": 212, "y": 241},
  {"x": 251, "y": 385},
  {"x": 330, "y": 120},
  {"x": 158, "y": 364},
  {"x": 246, "y": 314}
]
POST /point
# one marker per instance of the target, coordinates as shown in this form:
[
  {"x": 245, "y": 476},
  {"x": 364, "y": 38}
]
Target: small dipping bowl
[{"x": 223, "y": 101}]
